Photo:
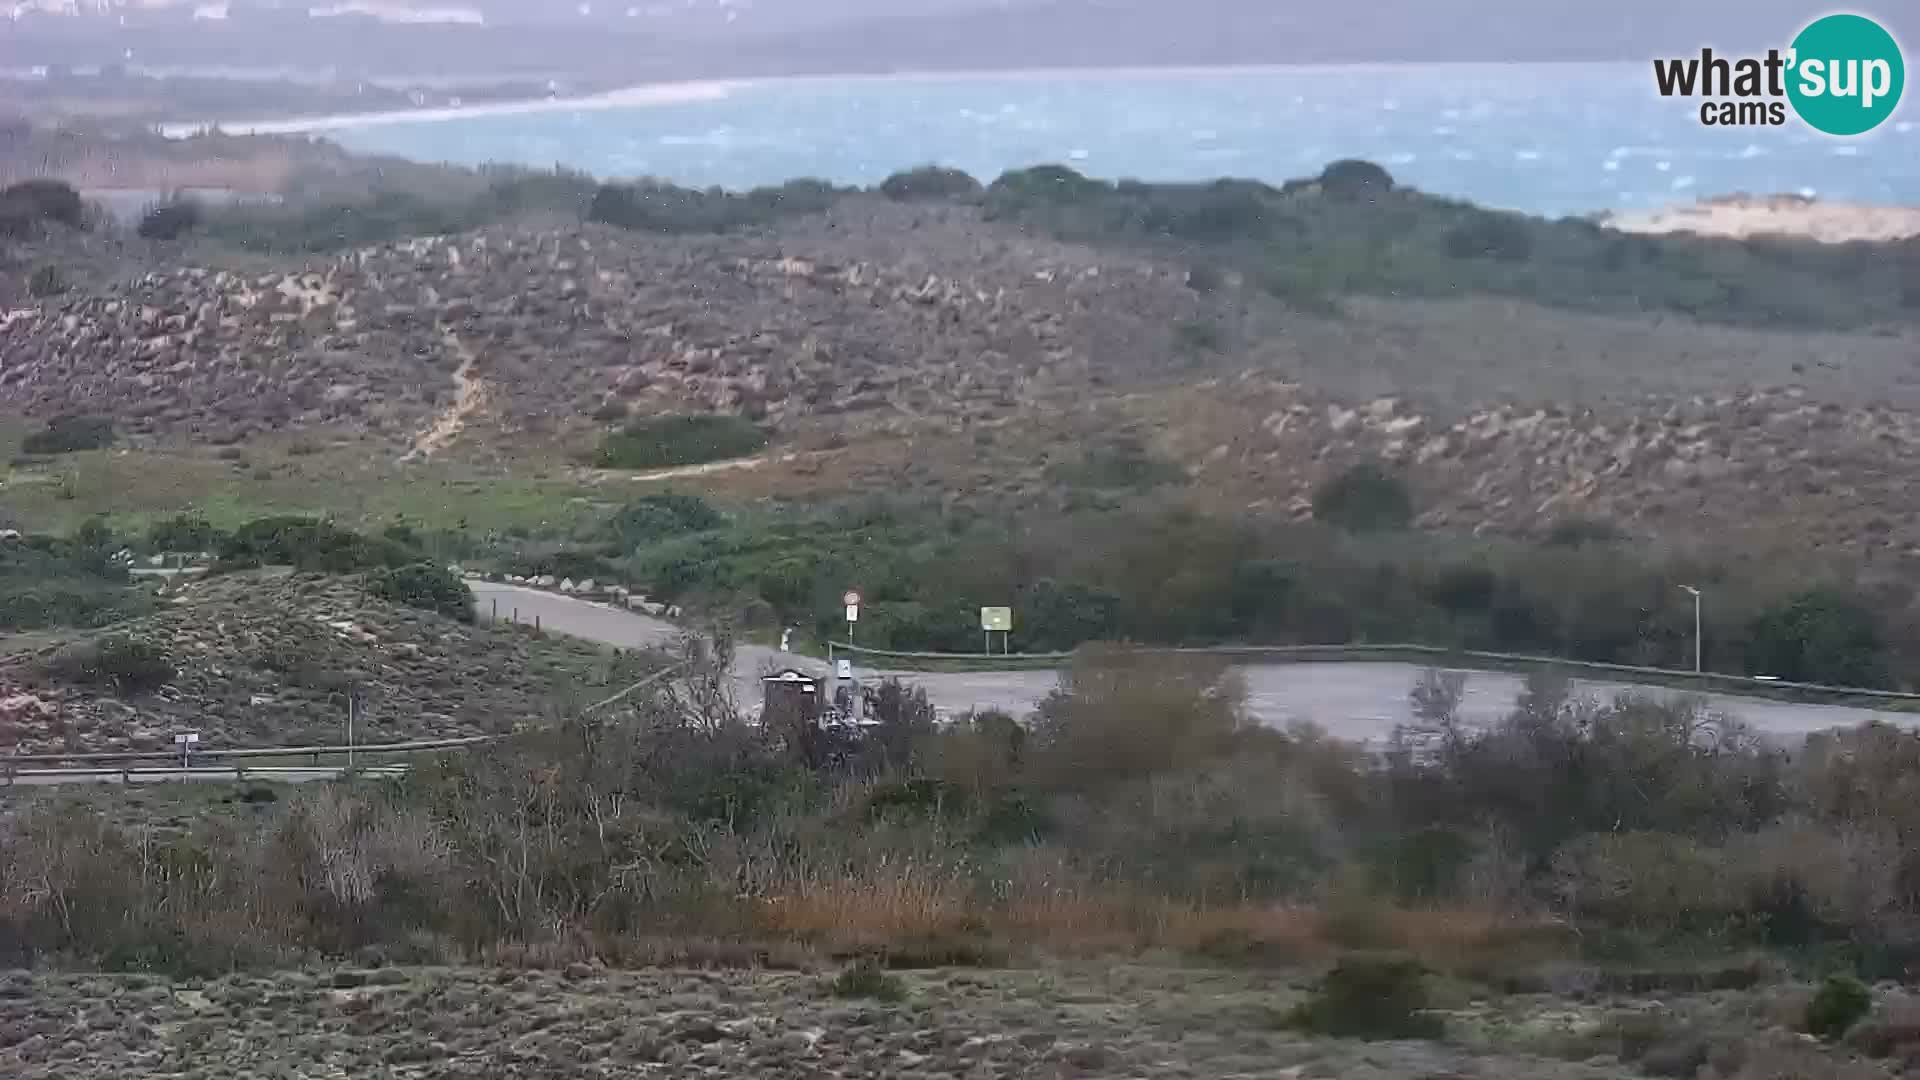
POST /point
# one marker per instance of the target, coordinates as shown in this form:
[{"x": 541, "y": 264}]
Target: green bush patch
[
  {"x": 424, "y": 585},
  {"x": 667, "y": 441},
  {"x": 1369, "y": 997},
  {"x": 1841, "y": 1002},
  {"x": 867, "y": 978},
  {"x": 70, "y": 434}
]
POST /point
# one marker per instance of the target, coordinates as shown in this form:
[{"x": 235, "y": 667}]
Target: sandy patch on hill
[{"x": 1776, "y": 215}]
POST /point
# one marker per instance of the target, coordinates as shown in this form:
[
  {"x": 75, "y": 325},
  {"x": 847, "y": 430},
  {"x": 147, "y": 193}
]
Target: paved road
[{"x": 1351, "y": 700}]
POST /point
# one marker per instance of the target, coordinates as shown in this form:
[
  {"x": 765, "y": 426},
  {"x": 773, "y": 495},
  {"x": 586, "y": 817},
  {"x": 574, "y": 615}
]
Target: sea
[{"x": 1553, "y": 139}]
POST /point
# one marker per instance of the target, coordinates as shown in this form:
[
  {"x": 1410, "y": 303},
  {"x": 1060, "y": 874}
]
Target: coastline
[
  {"x": 648, "y": 94},
  {"x": 674, "y": 93}
]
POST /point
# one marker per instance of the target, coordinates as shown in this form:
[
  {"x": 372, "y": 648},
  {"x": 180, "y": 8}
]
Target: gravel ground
[{"x": 1122, "y": 1021}]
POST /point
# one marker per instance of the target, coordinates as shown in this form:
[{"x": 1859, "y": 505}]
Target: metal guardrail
[
  {"x": 235, "y": 774},
  {"x": 1416, "y": 653},
  {"x": 420, "y": 746}
]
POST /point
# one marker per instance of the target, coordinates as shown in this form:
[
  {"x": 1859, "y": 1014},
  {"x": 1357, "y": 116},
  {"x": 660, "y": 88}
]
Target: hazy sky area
[{"x": 657, "y": 39}]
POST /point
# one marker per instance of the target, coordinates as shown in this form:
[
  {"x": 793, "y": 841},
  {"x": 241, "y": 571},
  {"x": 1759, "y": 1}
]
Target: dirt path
[{"x": 470, "y": 395}]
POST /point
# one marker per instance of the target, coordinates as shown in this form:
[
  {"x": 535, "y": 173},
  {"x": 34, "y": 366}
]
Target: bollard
[
  {"x": 536, "y": 624},
  {"x": 495, "y": 616}
]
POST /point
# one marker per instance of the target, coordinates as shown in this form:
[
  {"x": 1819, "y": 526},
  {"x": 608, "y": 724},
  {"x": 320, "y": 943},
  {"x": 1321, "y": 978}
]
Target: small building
[{"x": 792, "y": 701}]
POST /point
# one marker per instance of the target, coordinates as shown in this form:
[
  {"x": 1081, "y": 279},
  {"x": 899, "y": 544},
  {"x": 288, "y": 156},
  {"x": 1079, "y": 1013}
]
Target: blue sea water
[{"x": 1545, "y": 138}]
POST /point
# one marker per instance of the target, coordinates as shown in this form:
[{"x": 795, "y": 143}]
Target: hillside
[
  {"x": 966, "y": 346},
  {"x": 267, "y": 658}
]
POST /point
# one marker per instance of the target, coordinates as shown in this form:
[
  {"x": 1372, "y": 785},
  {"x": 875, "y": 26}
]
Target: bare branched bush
[{"x": 1121, "y": 714}]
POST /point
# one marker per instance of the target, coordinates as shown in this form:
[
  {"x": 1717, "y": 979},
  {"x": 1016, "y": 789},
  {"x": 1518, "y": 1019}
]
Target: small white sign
[
  {"x": 186, "y": 739},
  {"x": 843, "y": 669},
  {"x": 853, "y": 612},
  {"x": 851, "y": 599}
]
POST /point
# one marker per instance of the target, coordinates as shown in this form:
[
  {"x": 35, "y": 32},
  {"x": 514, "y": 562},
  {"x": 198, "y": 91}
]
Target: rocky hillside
[
  {"x": 267, "y": 658},
  {"x": 878, "y": 310},
  {"x": 930, "y": 340}
]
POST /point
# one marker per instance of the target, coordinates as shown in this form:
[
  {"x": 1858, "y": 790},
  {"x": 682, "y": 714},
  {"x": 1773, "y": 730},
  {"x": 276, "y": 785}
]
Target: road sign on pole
[
  {"x": 996, "y": 618},
  {"x": 853, "y": 613},
  {"x": 851, "y": 599}
]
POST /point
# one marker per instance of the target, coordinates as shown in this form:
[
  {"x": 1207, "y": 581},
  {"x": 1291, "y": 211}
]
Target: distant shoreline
[
  {"x": 650, "y": 94},
  {"x": 674, "y": 93}
]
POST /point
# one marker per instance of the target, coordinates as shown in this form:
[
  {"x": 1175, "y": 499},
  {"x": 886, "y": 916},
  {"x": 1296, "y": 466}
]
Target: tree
[
  {"x": 171, "y": 220},
  {"x": 1823, "y": 635},
  {"x": 67, "y": 434},
  {"x": 1355, "y": 180},
  {"x": 47, "y": 281},
  {"x": 1364, "y": 498},
  {"x": 424, "y": 585},
  {"x": 930, "y": 182},
  {"x": 47, "y": 200}
]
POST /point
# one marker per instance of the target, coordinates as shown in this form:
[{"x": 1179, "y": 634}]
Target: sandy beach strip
[
  {"x": 653, "y": 94},
  {"x": 1744, "y": 216}
]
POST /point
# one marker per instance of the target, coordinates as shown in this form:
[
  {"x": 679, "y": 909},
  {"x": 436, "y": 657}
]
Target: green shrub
[
  {"x": 1195, "y": 336},
  {"x": 1121, "y": 462},
  {"x": 652, "y": 518},
  {"x": 184, "y": 533},
  {"x": 68, "y": 434},
  {"x": 1502, "y": 237},
  {"x": 867, "y": 978},
  {"x": 1369, "y": 997},
  {"x": 1043, "y": 183},
  {"x": 47, "y": 281},
  {"x": 1353, "y": 179},
  {"x": 1823, "y": 635},
  {"x": 424, "y": 585},
  {"x": 930, "y": 182},
  {"x": 43, "y": 200},
  {"x": 170, "y": 220},
  {"x": 1364, "y": 498},
  {"x": 1205, "y": 278},
  {"x": 656, "y": 207},
  {"x": 309, "y": 544},
  {"x": 1841, "y": 1002},
  {"x": 129, "y": 665},
  {"x": 667, "y": 441}
]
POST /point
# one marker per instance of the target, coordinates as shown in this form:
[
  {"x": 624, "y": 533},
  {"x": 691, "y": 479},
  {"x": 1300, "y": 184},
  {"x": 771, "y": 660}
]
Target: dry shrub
[
  {"x": 877, "y": 909},
  {"x": 1121, "y": 714},
  {"x": 1892, "y": 1031},
  {"x": 1831, "y": 876},
  {"x": 1648, "y": 880}
]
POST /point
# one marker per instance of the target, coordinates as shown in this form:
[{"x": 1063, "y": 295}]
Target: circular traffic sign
[{"x": 851, "y": 599}]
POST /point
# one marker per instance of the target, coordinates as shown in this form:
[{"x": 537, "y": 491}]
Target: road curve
[{"x": 1352, "y": 700}]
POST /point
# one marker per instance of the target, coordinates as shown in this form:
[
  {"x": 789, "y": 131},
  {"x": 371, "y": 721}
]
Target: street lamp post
[{"x": 1695, "y": 593}]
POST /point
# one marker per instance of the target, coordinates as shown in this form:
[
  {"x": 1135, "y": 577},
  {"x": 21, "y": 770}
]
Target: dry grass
[{"x": 916, "y": 908}]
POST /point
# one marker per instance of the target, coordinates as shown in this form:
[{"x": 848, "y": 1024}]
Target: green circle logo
[{"x": 1845, "y": 74}]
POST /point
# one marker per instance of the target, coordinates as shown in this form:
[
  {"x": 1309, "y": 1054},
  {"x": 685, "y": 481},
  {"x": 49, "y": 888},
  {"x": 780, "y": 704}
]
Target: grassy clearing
[{"x": 360, "y": 486}]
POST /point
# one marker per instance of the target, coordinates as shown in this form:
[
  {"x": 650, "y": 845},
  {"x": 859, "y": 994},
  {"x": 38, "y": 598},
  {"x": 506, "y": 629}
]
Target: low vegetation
[
  {"x": 424, "y": 585},
  {"x": 1187, "y": 578},
  {"x": 1351, "y": 229},
  {"x": 666, "y": 441},
  {"x": 25, "y": 205},
  {"x": 130, "y": 666},
  {"x": 1841, "y": 1002},
  {"x": 57, "y": 581},
  {"x": 1369, "y": 997},
  {"x": 70, "y": 434},
  {"x": 1611, "y": 834}
]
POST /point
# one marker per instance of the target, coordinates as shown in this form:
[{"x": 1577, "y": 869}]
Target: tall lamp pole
[{"x": 1695, "y": 593}]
